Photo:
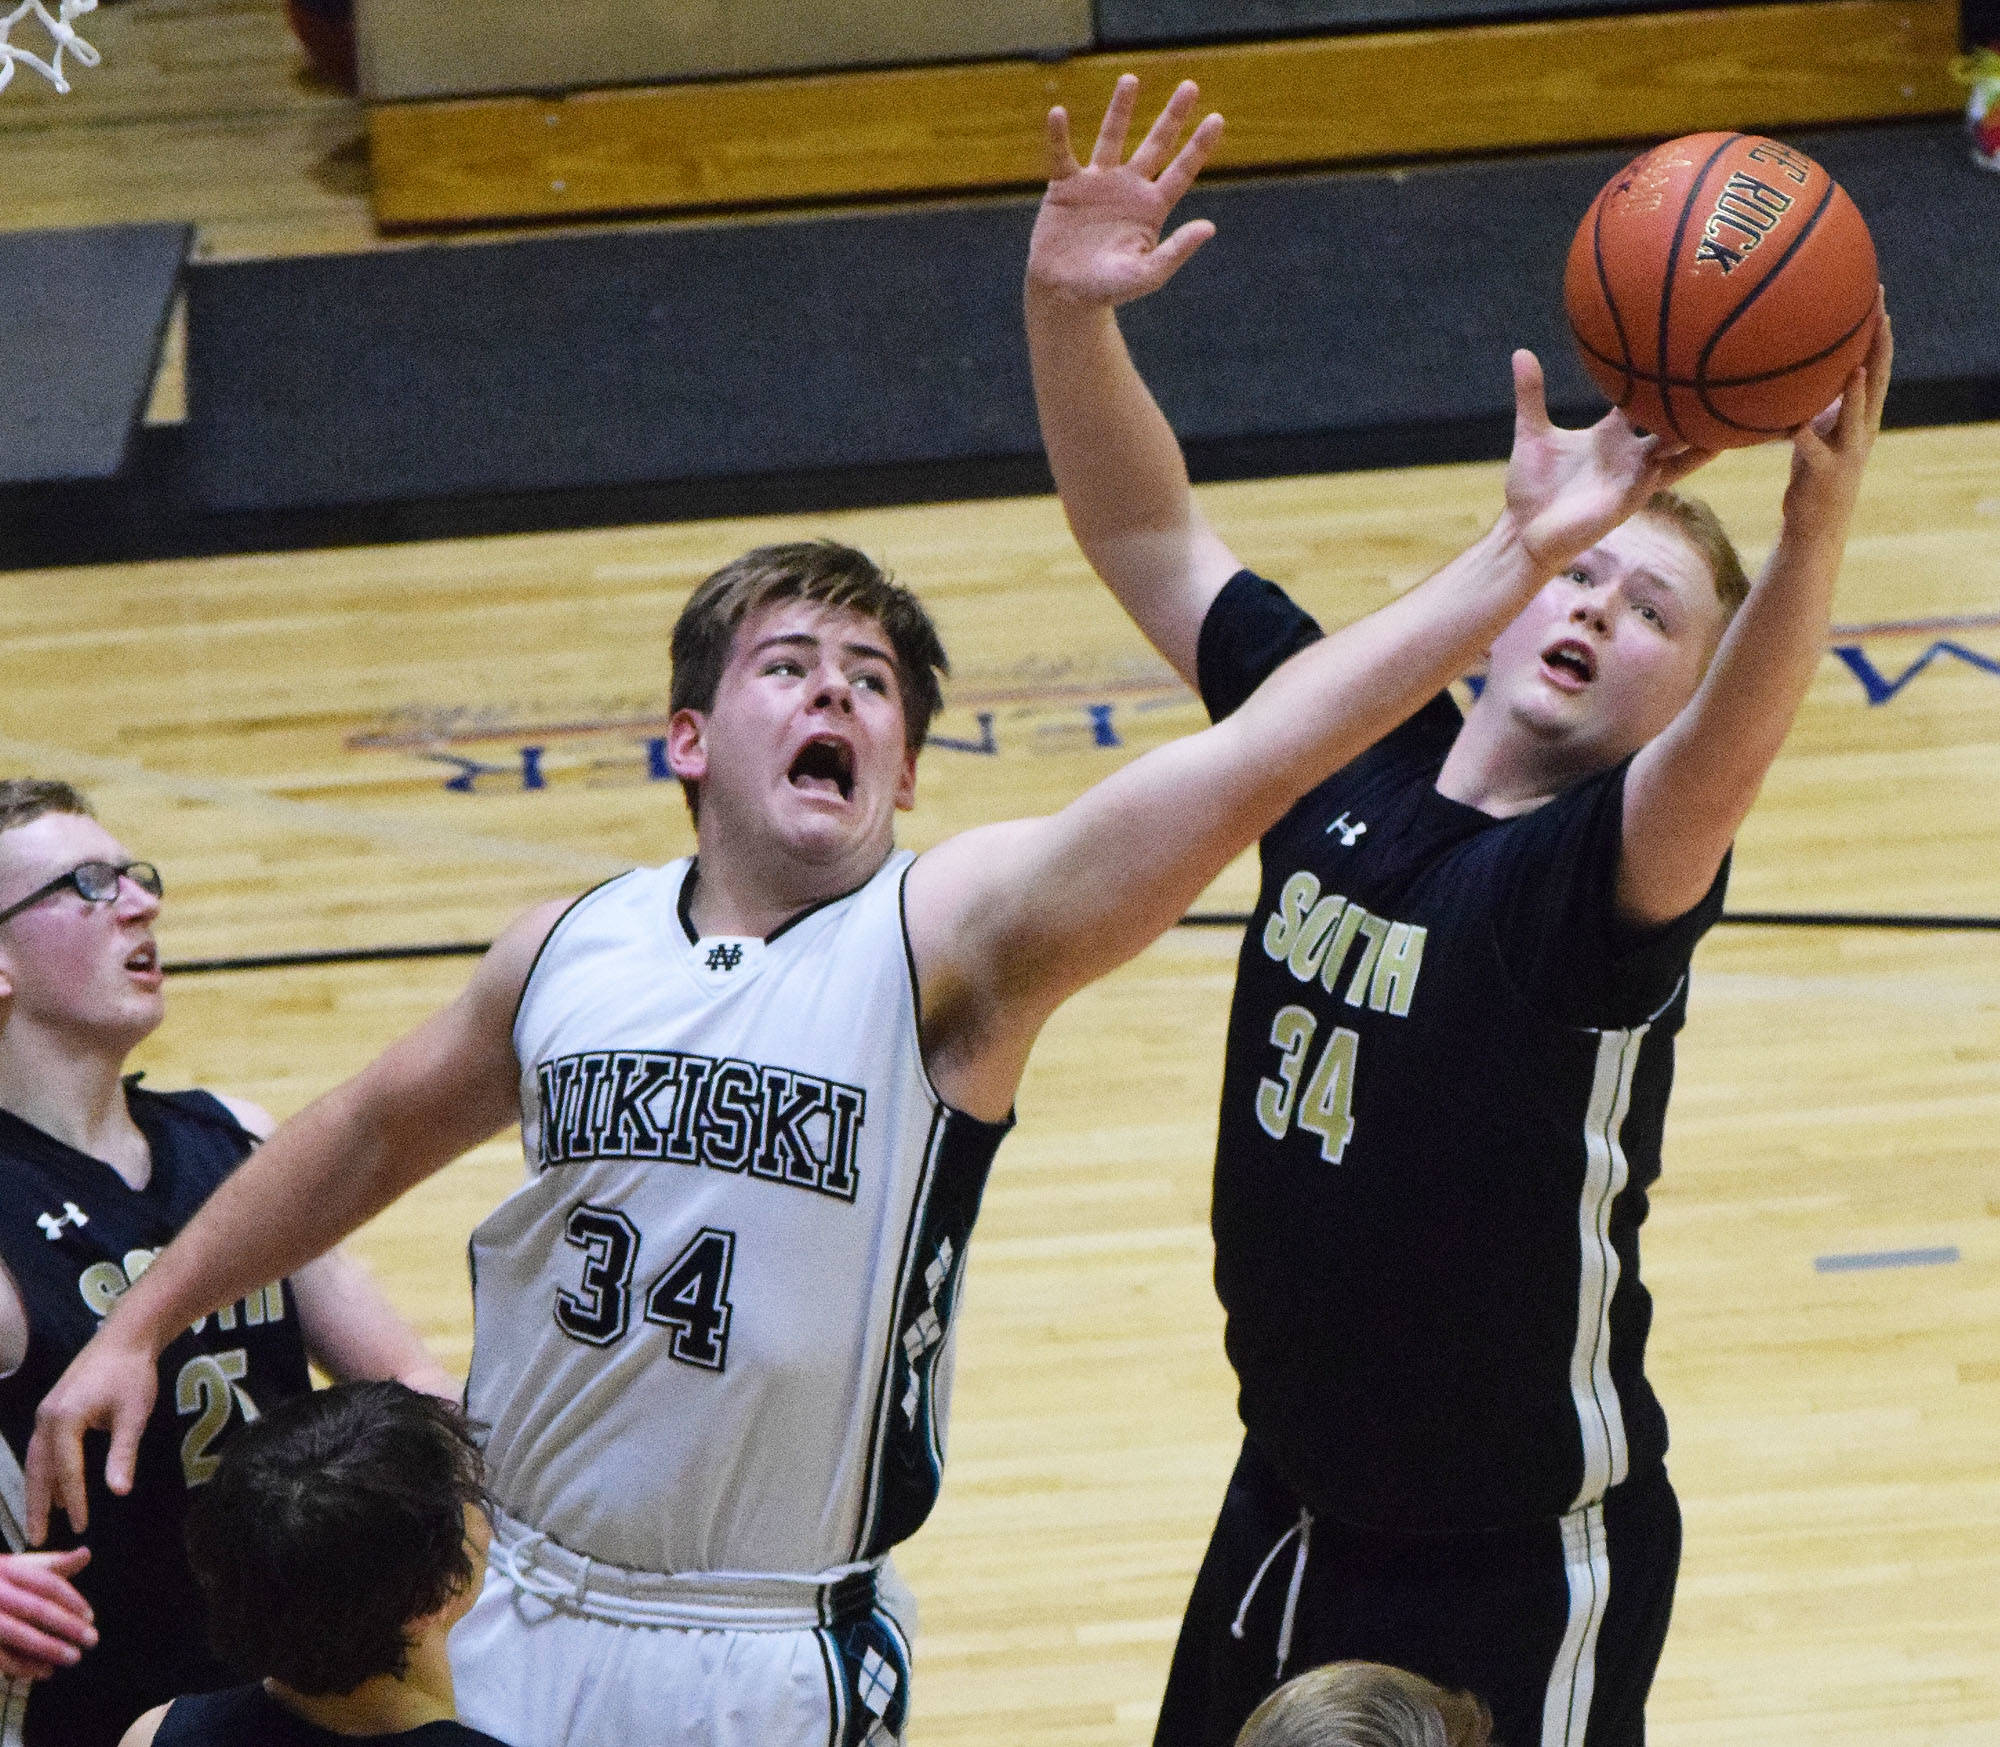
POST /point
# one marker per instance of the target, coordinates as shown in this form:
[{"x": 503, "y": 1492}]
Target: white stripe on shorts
[{"x": 1573, "y": 1679}]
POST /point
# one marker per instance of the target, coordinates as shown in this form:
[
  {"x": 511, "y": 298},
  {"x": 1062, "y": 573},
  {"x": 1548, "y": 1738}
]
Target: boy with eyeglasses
[{"x": 97, "y": 1174}]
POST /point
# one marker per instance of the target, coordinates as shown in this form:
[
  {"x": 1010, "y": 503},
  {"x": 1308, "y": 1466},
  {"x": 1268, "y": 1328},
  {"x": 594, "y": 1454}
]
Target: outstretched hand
[
  {"x": 1097, "y": 239},
  {"x": 1567, "y": 489},
  {"x": 109, "y": 1386}
]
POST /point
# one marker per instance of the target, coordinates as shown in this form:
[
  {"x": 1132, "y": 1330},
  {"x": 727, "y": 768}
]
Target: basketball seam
[
  {"x": 1667, "y": 289},
  {"x": 1750, "y": 381},
  {"x": 1610, "y": 302},
  {"x": 1792, "y": 248}
]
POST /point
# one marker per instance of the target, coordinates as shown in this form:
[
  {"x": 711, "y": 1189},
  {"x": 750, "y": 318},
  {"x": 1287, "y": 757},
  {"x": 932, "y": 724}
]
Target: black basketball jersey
[
  {"x": 1442, "y": 1105},
  {"x": 74, "y": 1234},
  {"x": 247, "y": 1716}
]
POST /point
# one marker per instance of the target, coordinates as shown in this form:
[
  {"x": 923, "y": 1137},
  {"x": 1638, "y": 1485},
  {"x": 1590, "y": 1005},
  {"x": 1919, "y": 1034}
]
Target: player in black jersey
[
  {"x": 1450, "y": 1047},
  {"x": 342, "y": 1538},
  {"x": 97, "y": 1174}
]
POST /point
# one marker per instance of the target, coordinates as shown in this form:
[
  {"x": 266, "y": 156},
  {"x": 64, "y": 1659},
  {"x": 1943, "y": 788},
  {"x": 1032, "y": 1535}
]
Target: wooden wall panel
[
  {"x": 428, "y": 48},
  {"x": 1314, "y": 101}
]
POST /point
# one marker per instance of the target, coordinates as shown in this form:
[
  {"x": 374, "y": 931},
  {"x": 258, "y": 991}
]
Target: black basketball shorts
[{"x": 1558, "y": 1626}]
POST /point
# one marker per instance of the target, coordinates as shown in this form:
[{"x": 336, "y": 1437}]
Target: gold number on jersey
[
  {"x": 1327, "y": 1107},
  {"x": 207, "y": 1386},
  {"x": 1292, "y": 1032}
]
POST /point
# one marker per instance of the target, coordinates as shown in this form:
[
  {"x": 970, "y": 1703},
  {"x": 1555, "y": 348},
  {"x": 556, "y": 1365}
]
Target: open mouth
[
  {"x": 824, "y": 766},
  {"x": 1572, "y": 659},
  {"x": 143, "y": 959}
]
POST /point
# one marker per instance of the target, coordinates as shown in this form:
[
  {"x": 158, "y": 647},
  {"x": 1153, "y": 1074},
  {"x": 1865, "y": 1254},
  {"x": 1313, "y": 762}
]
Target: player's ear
[
  {"x": 906, "y": 782},
  {"x": 687, "y": 745}
]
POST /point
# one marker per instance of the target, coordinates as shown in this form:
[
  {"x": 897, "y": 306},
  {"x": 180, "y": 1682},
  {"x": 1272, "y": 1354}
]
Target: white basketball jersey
[{"x": 713, "y": 1328}]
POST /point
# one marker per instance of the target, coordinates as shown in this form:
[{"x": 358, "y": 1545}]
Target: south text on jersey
[
  {"x": 681, "y": 1108},
  {"x": 1315, "y": 935}
]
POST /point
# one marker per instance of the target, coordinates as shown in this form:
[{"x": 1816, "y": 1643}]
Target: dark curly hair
[{"x": 332, "y": 1524}]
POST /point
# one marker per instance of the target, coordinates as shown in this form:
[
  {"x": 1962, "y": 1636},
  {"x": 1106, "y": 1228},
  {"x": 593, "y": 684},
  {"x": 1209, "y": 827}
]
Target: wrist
[{"x": 1505, "y": 552}]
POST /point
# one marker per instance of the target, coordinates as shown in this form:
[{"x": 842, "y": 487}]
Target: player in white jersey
[{"x": 759, "y": 1092}]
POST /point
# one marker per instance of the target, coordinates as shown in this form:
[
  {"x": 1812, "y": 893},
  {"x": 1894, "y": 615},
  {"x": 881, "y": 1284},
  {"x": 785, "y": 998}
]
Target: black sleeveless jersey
[
  {"x": 247, "y": 1716},
  {"x": 74, "y": 1234},
  {"x": 1442, "y": 1106}
]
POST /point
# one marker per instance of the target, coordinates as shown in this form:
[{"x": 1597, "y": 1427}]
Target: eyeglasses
[{"x": 96, "y": 882}]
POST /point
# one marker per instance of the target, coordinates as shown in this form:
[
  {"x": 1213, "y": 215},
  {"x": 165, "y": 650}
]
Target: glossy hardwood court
[{"x": 401, "y": 746}]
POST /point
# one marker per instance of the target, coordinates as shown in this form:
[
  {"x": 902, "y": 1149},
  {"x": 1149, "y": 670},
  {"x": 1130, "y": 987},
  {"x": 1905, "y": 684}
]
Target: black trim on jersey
[
  {"x": 879, "y": 1420},
  {"x": 684, "y": 903},
  {"x": 845, "y": 1650},
  {"x": 906, "y": 1462},
  {"x": 535, "y": 963}
]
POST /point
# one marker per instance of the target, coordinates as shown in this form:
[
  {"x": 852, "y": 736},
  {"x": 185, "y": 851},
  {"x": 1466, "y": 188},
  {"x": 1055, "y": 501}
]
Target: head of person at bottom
[
  {"x": 342, "y": 1537},
  {"x": 804, "y": 684},
  {"x": 1365, "y": 1704}
]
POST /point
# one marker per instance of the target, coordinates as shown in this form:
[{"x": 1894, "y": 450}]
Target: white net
[{"x": 61, "y": 33}]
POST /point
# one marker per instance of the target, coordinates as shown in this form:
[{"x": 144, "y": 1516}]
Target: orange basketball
[{"x": 1721, "y": 288}]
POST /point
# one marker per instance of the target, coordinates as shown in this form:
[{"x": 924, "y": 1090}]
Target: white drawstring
[{"x": 1303, "y": 1528}]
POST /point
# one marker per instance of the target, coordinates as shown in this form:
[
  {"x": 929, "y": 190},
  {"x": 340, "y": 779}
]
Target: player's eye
[
  {"x": 1651, "y": 614},
  {"x": 1580, "y": 576},
  {"x": 785, "y": 664},
  {"x": 875, "y": 682}
]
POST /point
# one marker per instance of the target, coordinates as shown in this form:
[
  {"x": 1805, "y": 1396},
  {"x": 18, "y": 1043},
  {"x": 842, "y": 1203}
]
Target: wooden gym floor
[
  {"x": 283, "y": 734},
  {"x": 403, "y": 746}
]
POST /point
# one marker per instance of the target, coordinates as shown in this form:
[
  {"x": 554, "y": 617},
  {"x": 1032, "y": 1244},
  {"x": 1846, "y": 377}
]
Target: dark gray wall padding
[
  {"x": 1142, "y": 23},
  {"x": 1326, "y": 305},
  {"x": 86, "y": 312}
]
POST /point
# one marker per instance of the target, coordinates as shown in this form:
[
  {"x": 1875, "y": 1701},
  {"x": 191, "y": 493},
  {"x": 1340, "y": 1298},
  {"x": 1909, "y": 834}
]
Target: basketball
[{"x": 1721, "y": 288}]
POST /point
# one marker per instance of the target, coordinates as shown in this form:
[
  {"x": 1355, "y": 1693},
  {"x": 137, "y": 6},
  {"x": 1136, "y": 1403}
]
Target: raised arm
[
  {"x": 1124, "y": 486},
  {"x": 1691, "y": 787},
  {"x": 1008, "y": 920},
  {"x": 443, "y": 1089}
]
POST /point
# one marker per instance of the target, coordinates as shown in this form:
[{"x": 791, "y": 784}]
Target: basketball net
[{"x": 58, "y": 27}]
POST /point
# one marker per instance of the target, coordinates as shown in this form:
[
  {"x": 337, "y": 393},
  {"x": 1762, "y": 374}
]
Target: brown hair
[
  {"x": 824, "y": 572},
  {"x": 24, "y": 799},
  {"x": 1702, "y": 529},
  {"x": 1366, "y": 1704}
]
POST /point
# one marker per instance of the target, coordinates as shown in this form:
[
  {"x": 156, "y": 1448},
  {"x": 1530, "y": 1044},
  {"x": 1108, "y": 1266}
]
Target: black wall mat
[
  {"x": 1152, "y": 23},
  {"x": 1335, "y": 320},
  {"x": 86, "y": 314}
]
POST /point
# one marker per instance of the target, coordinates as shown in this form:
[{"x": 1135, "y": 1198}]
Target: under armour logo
[
  {"x": 53, "y": 1224},
  {"x": 1348, "y": 832},
  {"x": 724, "y": 956}
]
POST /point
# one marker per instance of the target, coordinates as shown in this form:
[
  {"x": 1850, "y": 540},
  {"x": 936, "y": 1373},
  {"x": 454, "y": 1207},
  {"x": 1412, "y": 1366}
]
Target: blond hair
[
  {"x": 1366, "y": 1704},
  {"x": 1702, "y": 529}
]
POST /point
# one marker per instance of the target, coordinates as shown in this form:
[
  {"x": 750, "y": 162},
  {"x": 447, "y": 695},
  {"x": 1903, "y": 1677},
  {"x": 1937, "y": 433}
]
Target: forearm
[
  {"x": 1116, "y": 460},
  {"x": 1063, "y": 900},
  {"x": 1121, "y": 475},
  {"x": 1340, "y": 695},
  {"x": 1717, "y": 751}
]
